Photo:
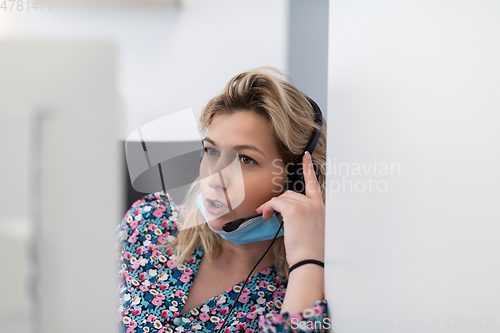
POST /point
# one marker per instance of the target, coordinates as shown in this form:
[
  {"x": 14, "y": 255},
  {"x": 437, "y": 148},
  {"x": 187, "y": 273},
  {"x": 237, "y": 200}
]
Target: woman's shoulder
[{"x": 153, "y": 219}]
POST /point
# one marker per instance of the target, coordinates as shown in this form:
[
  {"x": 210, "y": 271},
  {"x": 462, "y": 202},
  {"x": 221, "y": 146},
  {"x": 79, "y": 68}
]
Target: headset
[{"x": 295, "y": 178}]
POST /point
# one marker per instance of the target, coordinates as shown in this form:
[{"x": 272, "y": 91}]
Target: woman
[{"x": 179, "y": 274}]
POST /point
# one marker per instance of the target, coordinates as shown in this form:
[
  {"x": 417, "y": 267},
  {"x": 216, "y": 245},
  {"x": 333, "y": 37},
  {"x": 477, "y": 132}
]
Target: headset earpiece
[{"x": 295, "y": 178}]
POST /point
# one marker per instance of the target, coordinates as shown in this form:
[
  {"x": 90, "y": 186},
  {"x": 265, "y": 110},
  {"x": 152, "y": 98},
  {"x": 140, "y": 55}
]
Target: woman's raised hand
[{"x": 303, "y": 218}]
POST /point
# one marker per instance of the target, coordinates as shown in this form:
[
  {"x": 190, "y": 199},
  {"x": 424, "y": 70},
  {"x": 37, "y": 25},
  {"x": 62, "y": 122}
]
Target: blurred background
[
  {"x": 76, "y": 78},
  {"x": 410, "y": 92}
]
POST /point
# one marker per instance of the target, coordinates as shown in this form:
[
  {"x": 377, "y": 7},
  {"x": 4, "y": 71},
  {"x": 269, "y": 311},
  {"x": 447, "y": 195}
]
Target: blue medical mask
[{"x": 253, "y": 230}]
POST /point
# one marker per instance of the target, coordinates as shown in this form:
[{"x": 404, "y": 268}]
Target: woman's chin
[
  {"x": 217, "y": 221},
  {"x": 217, "y": 224}
]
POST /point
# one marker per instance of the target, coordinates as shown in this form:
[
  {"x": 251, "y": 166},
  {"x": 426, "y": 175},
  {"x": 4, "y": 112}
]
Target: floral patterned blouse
[{"x": 153, "y": 290}]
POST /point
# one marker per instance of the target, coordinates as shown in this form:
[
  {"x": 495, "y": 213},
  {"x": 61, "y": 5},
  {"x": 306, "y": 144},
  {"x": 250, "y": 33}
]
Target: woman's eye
[
  {"x": 247, "y": 160},
  {"x": 243, "y": 158},
  {"x": 211, "y": 151}
]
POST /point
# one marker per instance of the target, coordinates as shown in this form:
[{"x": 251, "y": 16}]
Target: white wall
[
  {"x": 170, "y": 59},
  {"x": 414, "y": 83}
]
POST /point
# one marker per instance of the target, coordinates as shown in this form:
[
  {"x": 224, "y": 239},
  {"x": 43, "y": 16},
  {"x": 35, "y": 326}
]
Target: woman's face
[{"x": 262, "y": 174}]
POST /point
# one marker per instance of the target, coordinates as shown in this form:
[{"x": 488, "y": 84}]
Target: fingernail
[{"x": 308, "y": 156}]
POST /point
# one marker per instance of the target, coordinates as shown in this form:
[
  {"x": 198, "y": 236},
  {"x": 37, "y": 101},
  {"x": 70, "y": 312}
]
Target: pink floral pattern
[{"x": 153, "y": 289}]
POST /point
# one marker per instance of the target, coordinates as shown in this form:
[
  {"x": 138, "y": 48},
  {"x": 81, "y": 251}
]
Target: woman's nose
[{"x": 218, "y": 180}]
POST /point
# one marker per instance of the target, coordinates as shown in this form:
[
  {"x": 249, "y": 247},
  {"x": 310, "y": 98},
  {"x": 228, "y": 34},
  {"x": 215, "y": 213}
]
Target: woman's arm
[
  {"x": 304, "y": 223},
  {"x": 305, "y": 286}
]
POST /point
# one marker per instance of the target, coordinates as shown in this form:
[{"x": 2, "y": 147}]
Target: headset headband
[{"x": 315, "y": 134}]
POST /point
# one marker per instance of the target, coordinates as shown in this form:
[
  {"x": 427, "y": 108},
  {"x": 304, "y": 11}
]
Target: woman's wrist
[
  {"x": 317, "y": 270},
  {"x": 305, "y": 262},
  {"x": 305, "y": 287},
  {"x": 319, "y": 256}
]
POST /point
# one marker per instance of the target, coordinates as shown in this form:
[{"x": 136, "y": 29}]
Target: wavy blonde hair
[{"x": 292, "y": 119}]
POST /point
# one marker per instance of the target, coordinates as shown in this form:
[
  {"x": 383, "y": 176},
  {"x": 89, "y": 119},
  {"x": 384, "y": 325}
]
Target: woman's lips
[{"x": 216, "y": 211}]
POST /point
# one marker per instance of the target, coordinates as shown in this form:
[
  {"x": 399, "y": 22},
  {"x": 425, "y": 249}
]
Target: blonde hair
[{"x": 292, "y": 119}]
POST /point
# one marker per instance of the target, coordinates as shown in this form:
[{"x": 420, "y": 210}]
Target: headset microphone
[{"x": 232, "y": 226}]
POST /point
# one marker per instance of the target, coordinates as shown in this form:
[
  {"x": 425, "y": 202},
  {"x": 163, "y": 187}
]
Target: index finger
[{"x": 313, "y": 189}]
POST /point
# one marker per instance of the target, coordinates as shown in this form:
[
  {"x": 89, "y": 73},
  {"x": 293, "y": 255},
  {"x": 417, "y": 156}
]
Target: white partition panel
[
  {"x": 413, "y": 144},
  {"x": 60, "y": 195}
]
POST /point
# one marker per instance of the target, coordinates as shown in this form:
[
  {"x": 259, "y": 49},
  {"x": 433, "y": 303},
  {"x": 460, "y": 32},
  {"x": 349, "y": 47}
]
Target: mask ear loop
[{"x": 246, "y": 280}]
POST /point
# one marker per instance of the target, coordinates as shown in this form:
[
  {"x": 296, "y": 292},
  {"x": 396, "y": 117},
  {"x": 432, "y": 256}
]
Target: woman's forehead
[{"x": 242, "y": 128}]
